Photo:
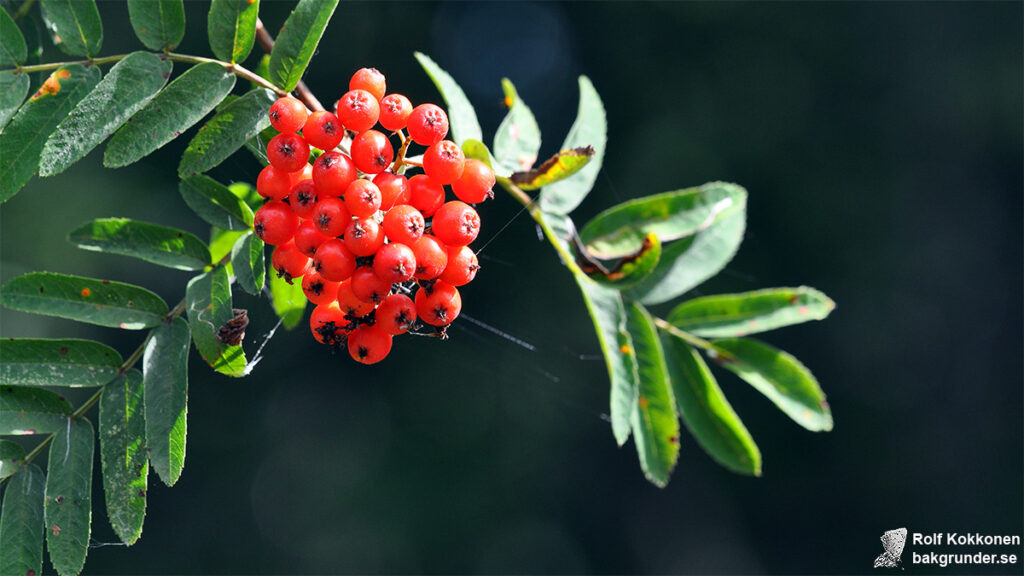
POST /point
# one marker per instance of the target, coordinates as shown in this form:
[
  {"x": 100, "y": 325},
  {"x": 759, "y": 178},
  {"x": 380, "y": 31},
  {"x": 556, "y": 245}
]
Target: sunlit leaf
[
  {"x": 226, "y": 132},
  {"x": 589, "y": 129},
  {"x": 122, "y": 432},
  {"x": 31, "y": 411},
  {"x": 68, "y": 503},
  {"x": 750, "y": 312},
  {"x": 21, "y": 523},
  {"x": 43, "y": 362},
  {"x": 160, "y": 24},
  {"x": 628, "y": 271},
  {"x": 248, "y": 262},
  {"x": 231, "y": 26},
  {"x": 157, "y": 244},
  {"x": 517, "y": 140},
  {"x": 297, "y": 41},
  {"x": 461, "y": 116},
  {"x": 101, "y": 302},
  {"x": 75, "y": 25},
  {"x": 208, "y": 303},
  {"x": 165, "y": 395},
  {"x": 215, "y": 203},
  {"x": 288, "y": 299},
  {"x": 558, "y": 167}
]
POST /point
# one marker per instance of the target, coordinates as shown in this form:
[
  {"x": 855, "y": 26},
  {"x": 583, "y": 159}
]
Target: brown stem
[{"x": 301, "y": 90}]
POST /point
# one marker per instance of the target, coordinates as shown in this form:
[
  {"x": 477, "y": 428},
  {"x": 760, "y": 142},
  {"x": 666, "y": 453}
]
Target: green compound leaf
[
  {"x": 101, "y": 302},
  {"x": 231, "y": 25},
  {"x": 13, "y": 89},
  {"x": 478, "y": 150},
  {"x": 21, "y": 142},
  {"x": 31, "y": 411},
  {"x": 129, "y": 85},
  {"x": 780, "y": 377},
  {"x": 630, "y": 270},
  {"x": 589, "y": 129},
  {"x": 654, "y": 422},
  {"x": 123, "y": 455},
  {"x": 705, "y": 410},
  {"x": 21, "y": 523},
  {"x": 208, "y": 302},
  {"x": 558, "y": 167},
  {"x": 157, "y": 244},
  {"x": 221, "y": 243},
  {"x": 517, "y": 140},
  {"x": 750, "y": 312},
  {"x": 68, "y": 503},
  {"x": 247, "y": 260},
  {"x": 688, "y": 262},
  {"x": 42, "y": 362},
  {"x": 288, "y": 299},
  {"x": 160, "y": 24},
  {"x": 10, "y": 455},
  {"x": 165, "y": 395},
  {"x": 215, "y": 203},
  {"x": 461, "y": 116},
  {"x": 620, "y": 230},
  {"x": 297, "y": 41},
  {"x": 13, "y": 50},
  {"x": 174, "y": 110},
  {"x": 227, "y": 132},
  {"x": 76, "y": 26}
]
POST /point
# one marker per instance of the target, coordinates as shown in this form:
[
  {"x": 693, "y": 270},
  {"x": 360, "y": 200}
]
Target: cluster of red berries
[{"x": 377, "y": 252}]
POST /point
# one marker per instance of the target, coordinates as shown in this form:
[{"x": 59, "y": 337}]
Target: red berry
[
  {"x": 289, "y": 262},
  {"x": 273, "y": 183},
  {"x": 369, "y": 79},
  {"x": 425, "y": 194},
  {"x": 302, "y": 198},
  {"x": 394, "y": 112},
  {"x": 308, "y": 238},
  {"x": 332, "y": 173},
  {"x": 456, "y": 223},
  {"x": 474, "y": 186},
  {"x": 363, "y": 237},
  {"x": 396, "y": 314},
  {"x": 328, "y": 323},
  {"x": 438, "y": 305},
  {"x": 362, "y": 198},
  {"x": 404, "y": 224},
  {"x": 431, "y": 258},
  {"x": 444, "y": 161},
  {"x": 350, "y": 304},
  {"x": 287, "y": 115},
  {"x": 331, "y": 216},
  {"x": 323, "y": 130},
  {"x": 394, "y": 189},
  {"x": 305, "y": 174},
  {"x": 288, "y": 152},
  {"x": 358, "y": 110},
  {"x": 334, "y": 261},
  {"x": 369, "y": 344},
  {"x": 318, "y": 290},
  {"x": 394, "y": 263},
  {"x": 372, "y": 152},
  {"x": 367, "y": 286},
  {"x": 462, "y": 266},
  {"x": 427, "y": 124},
  {"x": 275, "y": 223}
]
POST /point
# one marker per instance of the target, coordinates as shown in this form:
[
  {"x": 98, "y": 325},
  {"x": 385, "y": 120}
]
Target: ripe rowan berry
[
  {"x": 367, "y": 286},
  {"x": 394, "y": 262},
  {"x": 302, "y": 198},
  {"x": 444, "y": 162},
  {"x": 328, "y": 323},
  {"x": 363, "y": 237},
  {"x": 350, "y": 304},
  {"x": 305, "y": 174},
  {"x": 431, "y": 257},
  {"x": 287, "y": 115},
  {"x": 358, "y": 110},
  {"x": 362, "y": 198},
  {"x": 289, "y": 262},
  {"x": 333, "y": 261},
  {"x": 456, "y": 223},
  {"x": 369, "y": 344},
  {"x": 275, "y": 223},
  {"x": 288, "y": 152},
  {"x": 372, "y": 152},
  {"x": 394, "y": 189},
  {"x": 273, "y": 183},
  {"x": 404, "y": 224},
  {"x": 331, "y": 216},
  {"x": 369, "y": 79},
  {"x": 425, "y": 195},
  {"x": 308, "y": 238},
  {"x": 462, "y": 266},
  {"x": 396, "y": 314},
  {"x": 323, "y": 130},
  {"x": 476, "y": 182},
  {"x": 427, "y": 124},
  {"x": 394, "y": 112},
  {"x": 318, "y": 290},
  {"x": 332, "y": 173},
  {"x": 439, "y": 305}
]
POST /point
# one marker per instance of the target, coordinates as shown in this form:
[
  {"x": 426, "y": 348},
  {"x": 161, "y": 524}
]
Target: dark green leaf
[
  {"x": 174, "y": 110},
  {"x": 589, "y": 129},
  {"x": 41, "y": 362},
  {"x": 10, "y": 455},
  {"x": 288, "y": 299},
  {"x": 630, "y": 270},
  {"x": 160, "y": 24},
  {"x": 101, "y": 302},
  {"x": 208, "y": 302},
  {"x": 21, "y": 523},
  {"x": 31, "y": 411},
  {"x": 123, "y": 455},
  {"x": 750, "y": 312},
  {"x": 705, "y": 410},
  {"x": 68, "y": 500},
  {"x": 231, "y": 26},
  {"x": 780, "y": 377},
  {"x": 215, "y": 203},
  {"x": 13, "y": 89},
  {"x": 165, "y": 378},
  {"x": 558, "y": 167},
  {"x": 76, "y": 26},
  {"x": 227, "y": 132},
  {"x": 129, "y": 85},
  {"x": 157, "y": 244},
  {"x": 517, "y": 140},
  {"x": 688, "y": 262},
  {"x": 297, "y": 41},
  {"x": 258, "y": 144},
  {"x": 248, "y": 262},
  {"x": 461, "y": 117},
  {"x": 654, "y": 422},
  {"x": 620, "y": 229},
  {"x": 21, "y": 142},
  {"x": 13, "y": 50}
]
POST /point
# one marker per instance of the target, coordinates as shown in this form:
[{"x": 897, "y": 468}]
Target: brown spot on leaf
[
  {"x": 63, "y": 350},
  {"x": 56, "y": 530},
  {"x": 60, "y": 499},
  {"x": 86, "y": 292},
  {"x": 643, "y": 402},
  {"x": 52, "y": 84}
]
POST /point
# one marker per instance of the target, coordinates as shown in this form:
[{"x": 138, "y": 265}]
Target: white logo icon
[{"x": 892, "y": 541}]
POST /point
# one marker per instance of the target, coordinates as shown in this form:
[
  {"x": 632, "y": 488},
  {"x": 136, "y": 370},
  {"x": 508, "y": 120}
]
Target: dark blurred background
[{"x": 882, "y": 147}]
